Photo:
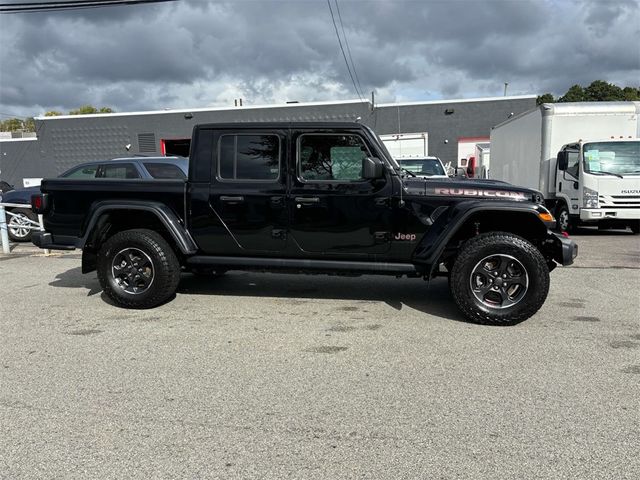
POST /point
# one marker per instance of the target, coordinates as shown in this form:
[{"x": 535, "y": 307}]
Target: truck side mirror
[
  {"x": 563, "y": 160},
  {"x": 372, "y": 168}
]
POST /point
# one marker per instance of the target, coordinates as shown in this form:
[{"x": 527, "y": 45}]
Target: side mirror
[
  {"x": 563, "y": 160},
  {"x": 372, "y": 168}
]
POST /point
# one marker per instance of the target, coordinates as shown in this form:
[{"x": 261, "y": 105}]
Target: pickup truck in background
[{"x": 307, "y": 198}]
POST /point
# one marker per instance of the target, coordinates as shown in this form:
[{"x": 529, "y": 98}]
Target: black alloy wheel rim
[
  {"x": 132, "y": 271},
  {"x": 499, "y": 281}
]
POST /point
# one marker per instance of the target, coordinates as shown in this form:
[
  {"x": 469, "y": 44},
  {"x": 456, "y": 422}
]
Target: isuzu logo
[
  {"x": 631, "y": 192},
  {"x": 474, "y": 192}
]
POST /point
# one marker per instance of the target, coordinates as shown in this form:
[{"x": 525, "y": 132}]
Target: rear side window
[
  {"x": 331, "y": 157},
  {"x": 119, "y": 170},
  {"x": 249, "y": 157},
  {"x": 164, "y": 171},
  {"x": 88, "y": 171}
]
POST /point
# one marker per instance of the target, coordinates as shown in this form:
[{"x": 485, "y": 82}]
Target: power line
[
  {"x": 68, "y": 5},
  {"x": 346, "y": 42},
  {"x": 342, "y": 49}
]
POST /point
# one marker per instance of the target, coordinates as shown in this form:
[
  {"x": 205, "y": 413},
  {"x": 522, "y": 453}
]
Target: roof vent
[{"x": 147, "y": 142}]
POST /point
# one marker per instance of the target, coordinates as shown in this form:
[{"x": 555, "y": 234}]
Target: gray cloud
[{"x": 199, "y": 53}]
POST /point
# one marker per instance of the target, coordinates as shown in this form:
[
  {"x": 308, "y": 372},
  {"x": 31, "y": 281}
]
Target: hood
[{"x": 488, "y": 189}]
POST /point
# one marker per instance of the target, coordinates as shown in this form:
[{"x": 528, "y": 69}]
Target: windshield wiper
[
  {"x": 602, "y": 172},
  {"x": 409, "y": 172}
]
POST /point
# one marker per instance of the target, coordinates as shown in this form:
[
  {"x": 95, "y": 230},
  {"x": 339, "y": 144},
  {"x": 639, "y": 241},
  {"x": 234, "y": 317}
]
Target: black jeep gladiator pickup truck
[{"x": 308, "y": 198}]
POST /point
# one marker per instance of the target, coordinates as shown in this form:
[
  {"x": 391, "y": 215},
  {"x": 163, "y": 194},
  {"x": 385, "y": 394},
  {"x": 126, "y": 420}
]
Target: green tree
[
  {"x": 84, "y": 110},
  {"x": 53, "y": 113},
  {"x": 631, "y": 94},
  {"x": 29, "y": 125},
  {"x": 601, "y": 91},
  {"x": 89, "y": 109},
  {"x": 11, "y": 125},
  {"x": 545, "y": 98},
  {"x": 574, "y": 94}
]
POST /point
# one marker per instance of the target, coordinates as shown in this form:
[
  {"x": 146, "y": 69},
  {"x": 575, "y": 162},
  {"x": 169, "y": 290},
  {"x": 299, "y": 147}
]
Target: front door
[
  {"x": 248, "y": 191},
  {"x": 333, "y": 210}
]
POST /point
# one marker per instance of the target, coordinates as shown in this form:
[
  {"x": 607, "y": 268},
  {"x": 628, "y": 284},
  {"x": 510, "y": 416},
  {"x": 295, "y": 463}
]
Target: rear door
[
  {"x": 333, "y": 210},
  {"x": 248, "y": 190}
]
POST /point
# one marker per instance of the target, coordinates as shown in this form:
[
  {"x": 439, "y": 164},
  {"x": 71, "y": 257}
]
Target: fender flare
[
  {"x": 435, "y": 240},
  {"x": 167, "y": 217}
]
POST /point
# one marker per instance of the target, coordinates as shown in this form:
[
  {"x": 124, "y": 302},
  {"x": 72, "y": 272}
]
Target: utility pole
[{"x": 505, "y": 88}]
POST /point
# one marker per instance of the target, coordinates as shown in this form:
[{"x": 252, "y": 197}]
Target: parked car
[
  {"x": 134, "y": 168},
  {"x": 430, "y": 167}
]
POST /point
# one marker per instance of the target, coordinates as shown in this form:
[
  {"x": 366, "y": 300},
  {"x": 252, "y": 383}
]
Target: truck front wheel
[
  {"x": 564, "y": 223},
  {"x": 138, "y": 269},
  {"x": 499, "y": 279}
]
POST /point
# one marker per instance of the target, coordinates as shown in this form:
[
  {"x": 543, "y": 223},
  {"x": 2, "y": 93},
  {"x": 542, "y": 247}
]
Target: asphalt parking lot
[{"x": 315, "y": 377}]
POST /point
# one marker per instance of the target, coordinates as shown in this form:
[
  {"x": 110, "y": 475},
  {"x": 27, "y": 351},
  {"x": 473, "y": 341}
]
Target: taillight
[{"x": 39, "y": 203}]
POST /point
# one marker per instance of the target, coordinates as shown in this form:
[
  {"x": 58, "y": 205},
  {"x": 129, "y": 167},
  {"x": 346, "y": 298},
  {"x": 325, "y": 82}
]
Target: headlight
[{"x": 590, "y": 198}]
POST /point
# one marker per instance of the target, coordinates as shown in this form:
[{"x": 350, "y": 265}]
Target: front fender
[{"x": 449, "y": 223}]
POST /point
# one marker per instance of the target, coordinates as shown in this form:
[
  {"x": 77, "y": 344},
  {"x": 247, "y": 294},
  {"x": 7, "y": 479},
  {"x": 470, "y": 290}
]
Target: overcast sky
[{"x": 199, "y": 53}]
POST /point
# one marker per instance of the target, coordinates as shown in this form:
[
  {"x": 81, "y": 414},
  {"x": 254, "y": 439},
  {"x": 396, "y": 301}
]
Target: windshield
[
  {"x": 612, "y": 157},
  {"x": 423, "y": 166}
]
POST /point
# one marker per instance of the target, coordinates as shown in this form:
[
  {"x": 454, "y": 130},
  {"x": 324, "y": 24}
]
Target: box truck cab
[
  {"x": 599, "y": 181},
  {"x": 583, "y": 157}
]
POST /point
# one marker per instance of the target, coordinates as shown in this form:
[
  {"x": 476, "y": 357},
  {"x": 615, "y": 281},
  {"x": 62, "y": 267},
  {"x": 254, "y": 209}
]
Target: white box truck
[{"x": 583, "y": 157}]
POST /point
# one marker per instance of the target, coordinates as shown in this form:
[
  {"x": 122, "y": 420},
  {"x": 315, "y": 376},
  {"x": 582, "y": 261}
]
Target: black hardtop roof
[{"x": 292, "y": 124}]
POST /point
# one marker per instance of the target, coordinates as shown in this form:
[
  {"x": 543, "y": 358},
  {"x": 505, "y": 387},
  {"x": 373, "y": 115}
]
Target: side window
[
  {"x": 331, "y": 157},
  {"x": 88, "y": 171},
  {"x": 249, "y": 157},
  {"x": 163, "y": 171},
  {"x": 573, "y": 163},
  {"x": 119, "y": 170}
]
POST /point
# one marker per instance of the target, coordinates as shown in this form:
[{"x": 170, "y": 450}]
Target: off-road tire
[
  {"x": 166, "y": 268},
  {"x": 499, "y": 243},
  {"x": 26, "y": 213}
]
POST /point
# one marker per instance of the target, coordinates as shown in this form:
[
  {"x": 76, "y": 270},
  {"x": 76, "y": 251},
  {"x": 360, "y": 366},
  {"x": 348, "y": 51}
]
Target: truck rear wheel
[
  {"x": 499, "y": 279},
  {"x": 138, "y": 269}
]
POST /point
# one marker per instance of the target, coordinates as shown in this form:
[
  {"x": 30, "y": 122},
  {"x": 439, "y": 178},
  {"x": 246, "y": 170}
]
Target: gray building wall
[{"x": 66, "y": 141}]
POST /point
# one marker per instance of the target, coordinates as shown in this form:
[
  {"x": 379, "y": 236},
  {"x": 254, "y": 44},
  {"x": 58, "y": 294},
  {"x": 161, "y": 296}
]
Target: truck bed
[{"x": 69, "y": 212}]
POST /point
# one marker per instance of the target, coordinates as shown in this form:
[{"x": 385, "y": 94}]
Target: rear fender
[{"x": 163, "y": 213}]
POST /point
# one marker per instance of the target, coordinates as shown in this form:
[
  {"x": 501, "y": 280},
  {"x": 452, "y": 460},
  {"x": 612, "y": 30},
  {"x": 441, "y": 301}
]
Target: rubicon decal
[{"x": 474, "y": 192}]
